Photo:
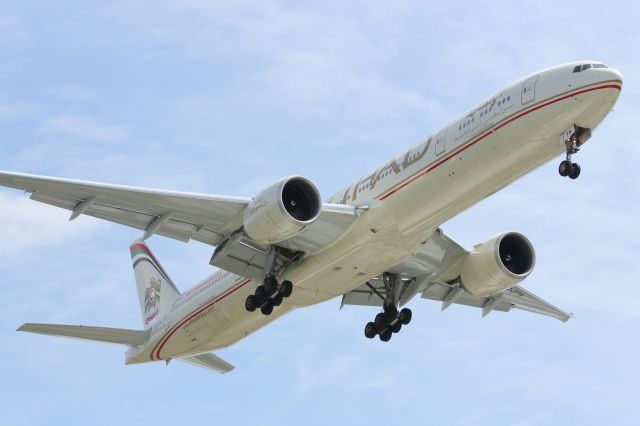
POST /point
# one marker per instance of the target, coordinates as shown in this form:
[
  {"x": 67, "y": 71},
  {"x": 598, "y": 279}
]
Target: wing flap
[
  {"x": 520, "y": 298},
  {"x": 176, "y": 229},
  {"x": 119, "y": 336},
  {"x": 210, "y": 361},
  {"x": 438, "y": 291}
]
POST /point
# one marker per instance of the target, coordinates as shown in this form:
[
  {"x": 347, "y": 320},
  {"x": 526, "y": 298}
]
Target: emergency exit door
[{"x": 529, "y": 90}]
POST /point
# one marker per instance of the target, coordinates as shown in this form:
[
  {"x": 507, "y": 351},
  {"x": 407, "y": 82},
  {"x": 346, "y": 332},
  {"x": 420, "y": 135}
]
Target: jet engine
[
  {"x": 500, "y": 263},
  {"x": 282, "y": 210}
]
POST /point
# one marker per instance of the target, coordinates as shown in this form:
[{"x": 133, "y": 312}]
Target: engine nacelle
[
  {"x": 500, "y": 263},
  {"x": 282, "y": 210}
]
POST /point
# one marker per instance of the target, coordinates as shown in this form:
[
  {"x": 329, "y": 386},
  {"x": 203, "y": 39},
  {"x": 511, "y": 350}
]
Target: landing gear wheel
[
  {"x": 405, "y": 316},
  {"x": 250, "y": 304},
  {"x": 286, "y": 288},
  {"x": 270, "y": 284},
  {"x": 277, "y": 301},
  {"x": 267, "y": 309},
  {"x": 370, "y": 330},
  {"x": 565, "y": 168},
  {"x": 261, "y": 295},
  {"x": 575, "y": 171},
  {"x": 380, "y": 321},
  {"x": 385, "y": 336},
  {"x": 390, "y": 313},
  {"x": 395, "y": 328}
]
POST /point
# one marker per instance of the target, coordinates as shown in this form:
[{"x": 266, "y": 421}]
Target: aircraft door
[
  {"x": 441, "y": 146},
  {"x": 529, "y": 90}
]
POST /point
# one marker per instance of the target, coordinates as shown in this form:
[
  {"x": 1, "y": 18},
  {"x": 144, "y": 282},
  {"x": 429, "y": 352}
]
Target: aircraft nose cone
[{"x": 609, "y": 74}]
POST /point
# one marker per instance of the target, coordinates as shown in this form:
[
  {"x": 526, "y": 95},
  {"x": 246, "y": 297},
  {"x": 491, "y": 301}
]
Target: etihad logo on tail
[{"x": 152, "y": 300}]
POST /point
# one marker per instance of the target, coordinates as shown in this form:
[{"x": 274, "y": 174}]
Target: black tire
[
  {"x": 390, "y": 313},
  {"x": 277, "y": 300},
  {"x": 385, "y": 336},
  {"x": 395, "y": 328},
  {"x": 261, "y": 295},
  {"x": 575, "y": 171},
  {"x": 564, "y": 168},
  {"x": 380, "y": 321},
  {"x": 270, "y": 284},
  {"x": 266, "y": 309},
  {"x": 250, "y": 304},
  {"x": 370, "y": 330},
  {"x": 286, "y": 288},
  {"x": 405, "y": 316}
]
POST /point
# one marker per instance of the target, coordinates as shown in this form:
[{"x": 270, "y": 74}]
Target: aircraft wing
[
  {"x": 210, "y": 361},
  {"x": 421, "y": 274},
  {"x": 179, "y": 215}
]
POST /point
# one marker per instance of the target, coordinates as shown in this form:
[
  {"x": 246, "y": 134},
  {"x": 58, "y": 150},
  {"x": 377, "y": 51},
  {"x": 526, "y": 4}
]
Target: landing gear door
[{"x": 529, "y": 90}]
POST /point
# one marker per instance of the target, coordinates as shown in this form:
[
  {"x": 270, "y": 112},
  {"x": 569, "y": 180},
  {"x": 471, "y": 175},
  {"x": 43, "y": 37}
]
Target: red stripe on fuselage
[
  {"x": 431, "y": 167},
  {"x": 155, "y": 353}
]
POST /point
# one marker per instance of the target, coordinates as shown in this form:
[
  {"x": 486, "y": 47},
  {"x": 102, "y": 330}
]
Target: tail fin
[{"x": 156, "y": 291}]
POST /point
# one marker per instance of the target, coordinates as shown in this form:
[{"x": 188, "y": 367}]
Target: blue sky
[{"x": 226, "y": 97}]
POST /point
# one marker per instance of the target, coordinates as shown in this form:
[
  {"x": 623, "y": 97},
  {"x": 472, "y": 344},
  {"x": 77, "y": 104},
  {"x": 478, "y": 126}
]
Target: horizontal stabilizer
[
  {"x": 210, "y": 361},
  {"x": 100, "y": 334}
]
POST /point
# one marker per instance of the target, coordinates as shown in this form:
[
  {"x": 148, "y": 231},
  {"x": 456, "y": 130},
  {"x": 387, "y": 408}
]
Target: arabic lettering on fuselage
[{"x": 394, "y": 166}]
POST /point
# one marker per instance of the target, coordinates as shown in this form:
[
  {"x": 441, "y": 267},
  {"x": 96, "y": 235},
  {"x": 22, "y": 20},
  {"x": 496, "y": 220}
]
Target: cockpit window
[{"x": 583, "y": 67}]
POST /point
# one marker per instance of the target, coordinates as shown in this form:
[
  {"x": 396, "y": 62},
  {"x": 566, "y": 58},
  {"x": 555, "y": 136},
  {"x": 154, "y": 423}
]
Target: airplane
[{"x": 378, "y": 242}]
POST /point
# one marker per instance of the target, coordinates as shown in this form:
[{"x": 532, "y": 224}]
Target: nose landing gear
[{"x": 566, "y": 167}]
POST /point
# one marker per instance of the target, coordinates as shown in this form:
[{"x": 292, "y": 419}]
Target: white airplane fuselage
[{"x": 407, "y": 199}]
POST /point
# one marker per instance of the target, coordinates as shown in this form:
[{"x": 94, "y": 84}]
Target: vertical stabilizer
[{"x": 156, "y": 291}]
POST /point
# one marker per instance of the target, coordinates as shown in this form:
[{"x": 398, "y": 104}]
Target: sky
[{"x": 228, "y": 96}]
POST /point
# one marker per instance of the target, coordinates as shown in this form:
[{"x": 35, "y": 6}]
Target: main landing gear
[
  {"x": 387, "y": 322},
  {"x": 567, "y": 168},
  {"x": 390, "y": 320},
  {"x": 268, "y": 295}
]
